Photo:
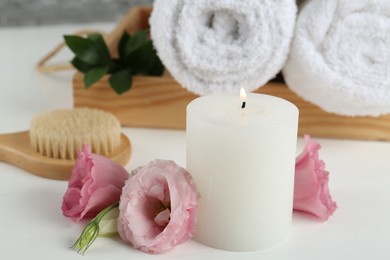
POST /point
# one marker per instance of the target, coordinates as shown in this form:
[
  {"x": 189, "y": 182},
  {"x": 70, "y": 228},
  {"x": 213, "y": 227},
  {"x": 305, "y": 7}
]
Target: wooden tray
[{"x": 160, "y": 102}]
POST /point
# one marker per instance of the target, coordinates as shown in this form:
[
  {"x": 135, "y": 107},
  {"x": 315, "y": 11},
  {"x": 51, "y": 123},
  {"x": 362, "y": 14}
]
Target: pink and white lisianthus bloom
[
  {"x": 96, "y": 183},
  {"x": 158, "y": 207},
  {"x": 311, "y": 191}
]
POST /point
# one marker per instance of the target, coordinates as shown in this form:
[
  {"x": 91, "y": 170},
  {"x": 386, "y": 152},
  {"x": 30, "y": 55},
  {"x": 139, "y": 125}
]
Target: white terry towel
[
  {"x": 340, "y": 56},
  {"x": 221, "y": 45}
]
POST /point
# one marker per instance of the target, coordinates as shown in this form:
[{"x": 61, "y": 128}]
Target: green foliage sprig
[{"x": 136, "y": 56}]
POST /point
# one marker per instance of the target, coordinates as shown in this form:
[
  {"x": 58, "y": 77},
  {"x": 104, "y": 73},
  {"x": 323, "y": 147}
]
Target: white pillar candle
[{"x": 242, "y": 161}]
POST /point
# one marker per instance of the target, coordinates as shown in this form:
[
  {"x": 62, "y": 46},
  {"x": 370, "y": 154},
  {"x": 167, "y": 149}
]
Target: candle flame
[
  {"x": 242, "y": 94},
  {"x": 243, "y": 97}
]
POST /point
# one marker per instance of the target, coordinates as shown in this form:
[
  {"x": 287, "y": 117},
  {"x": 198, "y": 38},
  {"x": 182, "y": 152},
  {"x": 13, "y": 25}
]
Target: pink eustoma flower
[
  {"x": 96, "y": 183},
  {"x": 311, "y": 191},
  {"x": 158, "y": 207}
]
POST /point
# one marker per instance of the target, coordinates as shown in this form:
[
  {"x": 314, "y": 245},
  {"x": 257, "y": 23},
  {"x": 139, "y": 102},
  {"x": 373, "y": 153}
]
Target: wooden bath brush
[{"x": 50, "y": 148}]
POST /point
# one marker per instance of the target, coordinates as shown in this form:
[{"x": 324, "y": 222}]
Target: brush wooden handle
[{"x": 15, "y": 149}]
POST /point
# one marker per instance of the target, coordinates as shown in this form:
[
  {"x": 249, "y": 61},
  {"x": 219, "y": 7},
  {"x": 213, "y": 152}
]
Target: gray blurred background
[{"x": 43, "y": 12}]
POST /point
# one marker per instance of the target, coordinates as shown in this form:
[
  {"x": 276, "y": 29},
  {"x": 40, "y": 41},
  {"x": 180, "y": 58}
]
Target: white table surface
[{"x": 32, "y": 225}]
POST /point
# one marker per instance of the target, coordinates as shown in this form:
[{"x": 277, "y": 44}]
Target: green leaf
[
  {"x": 81, "y": 65},
  {"x": 158, "y": 68},
  {"x": 122, "y": 45},
  {"x": 136, "y": 56},
  {"x": 116, "y": 65},
  {"x": 121, "y": 81},
  {"x": 144, "y": 60},
  {"x": 84, "y": 49},
  {"x": 136, "y": 41},
  {"x": 102, "y": 46},
  {"x": 94, "y": 75},
  {"x": 140, "y": 59}
]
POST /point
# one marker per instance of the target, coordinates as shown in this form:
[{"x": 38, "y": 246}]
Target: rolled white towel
[
  {"x": 221, "y": 45},
  {"x": 340, "y": 56}
]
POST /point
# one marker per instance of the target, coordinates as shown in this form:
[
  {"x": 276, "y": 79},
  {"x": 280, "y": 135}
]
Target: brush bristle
[{"x": 60, "y": 134}]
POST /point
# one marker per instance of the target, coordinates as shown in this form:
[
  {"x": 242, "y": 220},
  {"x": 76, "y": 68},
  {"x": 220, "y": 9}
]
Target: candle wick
[{"x": 243, "y": 104}]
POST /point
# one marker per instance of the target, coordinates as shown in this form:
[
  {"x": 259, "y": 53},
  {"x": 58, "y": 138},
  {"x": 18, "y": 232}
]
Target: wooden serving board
[{"x": 160, "y": 102}]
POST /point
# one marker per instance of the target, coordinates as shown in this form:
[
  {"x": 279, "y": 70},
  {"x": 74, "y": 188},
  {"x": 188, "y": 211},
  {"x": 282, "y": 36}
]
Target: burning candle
[{"x": 241, "y": 154}]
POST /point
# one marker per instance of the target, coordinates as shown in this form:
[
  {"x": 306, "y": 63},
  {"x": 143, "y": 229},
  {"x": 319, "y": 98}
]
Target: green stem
[{"x": 105, "y": 211}]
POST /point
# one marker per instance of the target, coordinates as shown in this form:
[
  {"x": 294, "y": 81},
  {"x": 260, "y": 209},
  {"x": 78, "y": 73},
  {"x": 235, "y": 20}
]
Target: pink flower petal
[
  {"x": 162, "y": 218},
  {"x": 140, "y": 213},
  {"x": 157, "y": 191},
  {"x": 158, "y": 207},
  {"x": 311, "y": 191},
  {"x": 95, "y": 183},
  {"x": 101, "y": 196},
  {"x": 70, "y": 205}
]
